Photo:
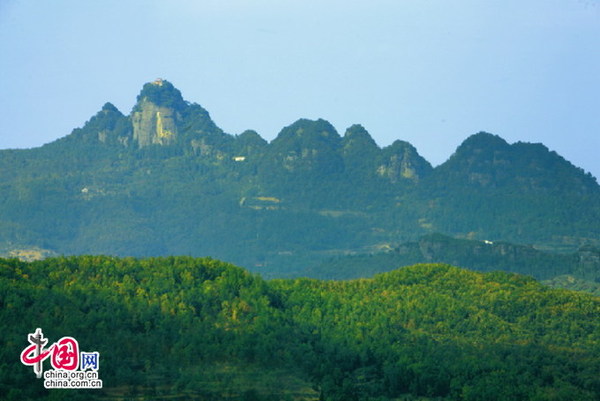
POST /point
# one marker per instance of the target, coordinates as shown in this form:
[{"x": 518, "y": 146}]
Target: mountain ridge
[
  {"x": 162, "y": 93},
  {"x": 165, "y": 179}
]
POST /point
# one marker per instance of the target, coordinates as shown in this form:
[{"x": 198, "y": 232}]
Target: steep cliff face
[
  {"x": 111, "y": 126},
  {"x": 156, "y": 115},
  {"x": 153, "y": 124}
]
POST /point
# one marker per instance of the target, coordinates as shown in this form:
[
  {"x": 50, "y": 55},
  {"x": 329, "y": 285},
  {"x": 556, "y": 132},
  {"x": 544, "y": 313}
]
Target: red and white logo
[{"x": 70, "y": 367}]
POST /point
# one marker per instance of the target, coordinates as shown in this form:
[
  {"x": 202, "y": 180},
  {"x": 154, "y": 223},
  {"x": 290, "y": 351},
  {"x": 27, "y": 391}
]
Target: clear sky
[{"x": 428, "y": 72}]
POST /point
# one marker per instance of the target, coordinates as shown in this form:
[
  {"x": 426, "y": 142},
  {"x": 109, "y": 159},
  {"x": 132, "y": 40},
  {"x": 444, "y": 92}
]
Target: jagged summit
[
  {"x": 161, "y": 117},
  {"x": 156, "y": 115},
  {"x": 401, "y": 161}
]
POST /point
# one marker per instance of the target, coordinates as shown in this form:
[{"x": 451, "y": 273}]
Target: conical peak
[
  {"x": 251, "y": 137},
  {"x": 109, "y": 108},
  {"x": 357, "y": 135},
  {"x": 400, "y": 161}
]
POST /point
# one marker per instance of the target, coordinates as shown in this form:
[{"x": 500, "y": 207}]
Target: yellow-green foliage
[{"x": 181, "y": 326}]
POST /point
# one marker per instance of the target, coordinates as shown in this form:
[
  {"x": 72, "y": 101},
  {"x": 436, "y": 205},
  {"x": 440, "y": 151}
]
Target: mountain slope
[
  {"x": 485, "y": 256},
  {"x": 489, "y": 189}
]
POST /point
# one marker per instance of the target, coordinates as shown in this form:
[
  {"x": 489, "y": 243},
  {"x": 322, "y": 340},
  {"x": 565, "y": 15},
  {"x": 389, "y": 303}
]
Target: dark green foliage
[
  {"x": 438, "y": 331},
  {"x": 249, "y": 143},
  {"x": 203, "y": 329},
  {"x": 305, "y": 152},
  {"x": 573, "y": 283},
  {"x": 197, "y": 124},
  {"x": 498, "y": 191},
  {"x": 161, "y": 93},
  {"x": 400, "y": 162},
  {"x": 360, "y": 153},
  {"x": 152, "y": 320}
]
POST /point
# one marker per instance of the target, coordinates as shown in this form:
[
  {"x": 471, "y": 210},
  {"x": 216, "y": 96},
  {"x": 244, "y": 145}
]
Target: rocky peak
[
  {"x": 483, "y": 159},
  {"x": 248, "y": 143},
  {"x": 401, "y": 161},
  {"x": 486, "y": 160},
  {"x": 308, "y": 144},
  {"x": 305, "y": 136},
  {"x": 360, "y": 152},
  {"x": 156, "y": 114},
  {"x": 161, "y": 93},
  {"x": 109, "y": 126},
  {"x": 357, "y": 137}
]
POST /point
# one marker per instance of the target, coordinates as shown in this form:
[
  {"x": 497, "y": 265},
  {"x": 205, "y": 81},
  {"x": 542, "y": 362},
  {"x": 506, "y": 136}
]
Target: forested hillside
[
  {"x": 584, "y": 264},
  {"x": 166, "y": 180},
  {"x": 186, "y": 328}
]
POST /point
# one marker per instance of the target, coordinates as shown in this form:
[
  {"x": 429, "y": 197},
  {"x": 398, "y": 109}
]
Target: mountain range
[{"x": 166, "y": 180}]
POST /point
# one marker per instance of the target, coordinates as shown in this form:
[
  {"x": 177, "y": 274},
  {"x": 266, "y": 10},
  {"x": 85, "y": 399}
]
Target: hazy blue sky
[{"x": 428, "y": 72}]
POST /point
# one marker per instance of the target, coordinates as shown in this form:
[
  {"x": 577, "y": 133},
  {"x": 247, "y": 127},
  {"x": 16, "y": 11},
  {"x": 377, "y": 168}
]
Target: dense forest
[
  {"x": 166, "y": 180},
  {"x": 200, "y": 329}
]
